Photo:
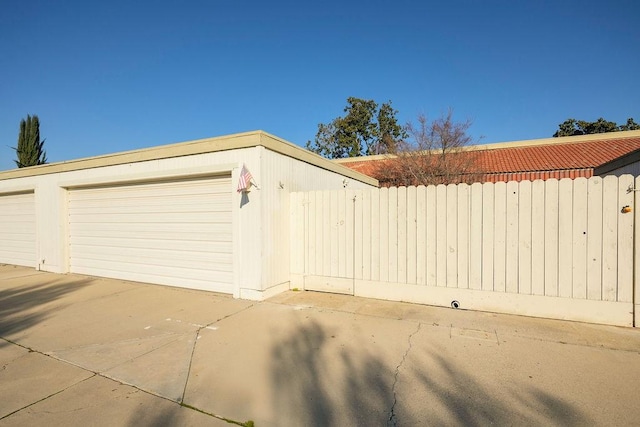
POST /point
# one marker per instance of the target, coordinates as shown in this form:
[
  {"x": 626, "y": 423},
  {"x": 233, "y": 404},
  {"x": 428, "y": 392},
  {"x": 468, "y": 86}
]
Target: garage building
[{"x": 168, "y": 215}]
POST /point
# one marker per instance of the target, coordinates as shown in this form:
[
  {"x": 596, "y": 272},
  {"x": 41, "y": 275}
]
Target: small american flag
[{"x": 244, "y": 183}]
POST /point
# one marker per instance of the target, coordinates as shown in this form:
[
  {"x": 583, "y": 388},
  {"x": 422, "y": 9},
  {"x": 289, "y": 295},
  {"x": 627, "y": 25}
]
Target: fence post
[{"x": 636, "y": 266}]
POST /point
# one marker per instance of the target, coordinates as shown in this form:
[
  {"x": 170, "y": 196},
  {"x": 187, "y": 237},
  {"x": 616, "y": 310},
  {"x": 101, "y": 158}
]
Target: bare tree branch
[{"x": 435, "y": 153}]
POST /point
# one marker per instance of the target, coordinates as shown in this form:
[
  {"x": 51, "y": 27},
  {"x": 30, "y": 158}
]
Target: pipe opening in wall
[{"x": 455, "y": 304}]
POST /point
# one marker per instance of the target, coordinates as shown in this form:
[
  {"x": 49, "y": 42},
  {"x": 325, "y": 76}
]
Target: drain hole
[{"x": 455, "y": 304}]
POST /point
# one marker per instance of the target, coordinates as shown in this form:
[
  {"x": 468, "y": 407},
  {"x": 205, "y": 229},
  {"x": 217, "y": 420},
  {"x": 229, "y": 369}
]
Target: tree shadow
[
  {"x": 22, "y": 307},
  {"x": 316, "y": 384},
  {"x": 455, "y": 396}
]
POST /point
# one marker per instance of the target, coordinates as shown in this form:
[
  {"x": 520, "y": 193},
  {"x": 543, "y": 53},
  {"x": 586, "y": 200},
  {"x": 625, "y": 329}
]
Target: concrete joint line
[
  {"x": 186, "y": 383},
  {"x": 195, "y": 343},
  {"x": 131, "y": 359},
  {"x": 392, "y": 421},
  {"x": 104, "y": 375},
  {"x": 49, "y": 396}
]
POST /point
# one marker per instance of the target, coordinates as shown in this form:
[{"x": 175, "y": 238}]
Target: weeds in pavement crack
[{"x": 239, "y": 423}]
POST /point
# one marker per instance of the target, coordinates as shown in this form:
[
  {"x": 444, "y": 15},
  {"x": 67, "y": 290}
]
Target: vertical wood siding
[{"x": 541, "y": 239}]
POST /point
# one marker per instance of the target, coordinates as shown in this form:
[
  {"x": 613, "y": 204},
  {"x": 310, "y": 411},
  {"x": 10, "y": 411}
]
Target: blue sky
[{"x": 119, "y": 75}]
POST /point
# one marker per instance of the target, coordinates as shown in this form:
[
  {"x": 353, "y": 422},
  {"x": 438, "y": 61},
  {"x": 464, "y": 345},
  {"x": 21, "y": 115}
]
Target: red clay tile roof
[
  {"x": 580, "y": 155},
  {"x": 536, "y": 156}
]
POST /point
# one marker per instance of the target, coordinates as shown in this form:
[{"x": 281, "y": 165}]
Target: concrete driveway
[{"x": 79, "y": 350}]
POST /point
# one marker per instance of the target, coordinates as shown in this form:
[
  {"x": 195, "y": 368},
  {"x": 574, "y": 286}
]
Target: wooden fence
[{"x": 559, "y": 249}]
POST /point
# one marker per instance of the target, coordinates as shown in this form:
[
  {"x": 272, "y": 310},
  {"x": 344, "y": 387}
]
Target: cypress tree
[{"x": 30, "y": 150}]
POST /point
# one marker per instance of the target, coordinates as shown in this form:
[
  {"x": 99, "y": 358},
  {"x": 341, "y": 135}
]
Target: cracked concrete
[
  {"x": 107, "y": 352},
  {"x": 393, "y": 421}
]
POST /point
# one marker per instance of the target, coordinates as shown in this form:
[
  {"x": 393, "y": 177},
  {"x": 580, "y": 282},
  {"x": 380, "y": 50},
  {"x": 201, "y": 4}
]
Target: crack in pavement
[
  {"x": 134, "y": 386},
  {"x": 195, "y": 343},
  {"x": 393, "y": 421},
  {"x": 98, "y": 374},
  {"x": 49, "y": 396}
]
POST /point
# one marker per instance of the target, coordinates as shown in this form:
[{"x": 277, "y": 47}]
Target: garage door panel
[
  {"x": 158, "y": 270},
  {"x": 155, "y": 227},
  {"x": 175, "y": 233},
  {"x": 219, "y": 286},
  {"x": 24, "y": 257},
  {"x": 9, "y": 221},
  {"x": 218, "y": 261},
  {"x": 160, "y": 206},
  {"x": 98, "y": 245},
  {"x": 18, "y": 229},
  {"x": 19, "y": 244},
  {"x": 159, "y": 190},
  {"x": 20, "y": 233},
  {"x": 177, "y": 202},
  {"x": 151, "y": 235},
  {"x": 146, "y": 217}
]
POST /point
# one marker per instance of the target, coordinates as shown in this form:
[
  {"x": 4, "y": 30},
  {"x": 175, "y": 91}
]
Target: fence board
[
  {"x": 625, "y": 239},
  {"x": 376, "y": 229},
  {"x": 365, "y": 214},
  {"x": 309, "y": 253},
  {"x": 441, "y": 235},
  {"x": 303, "y": 207},
  {"x": 432, "y": 235},
  {"x": 511, "y": 237},
  {"x": 452, "y": 235},
  {"x": 523, "y": 284},
  {"x": 393, "y": 234},
  {"x": 594, "y": 238},
  {"x": 500, "y": 235},
  {"x": 551, "y": 236},
  {"x": 401, "y": 222},
  {"x": 537, "y": 237},
  {"x": 488, "y": 234},
  {"x": 475, "y": 236},
  {"x": 579, "y": 285},
  {"x": 411, "y": 235},
  {"x": 297, "y": 231},
  {"x": 315, "y": 205},
  {"x": 610, "y": 213},
  {"x": 326, "y": 233},
  {"x": 384, "y": 235},
  {"x": 565, "y": 237},
  {"x": 421, "y": 235},
  {"x": 342, "y": 233},
  {"x": 350, "y": 233},
  {"x": 334, "y": 242},
  {"x": 463, "y": 235}
]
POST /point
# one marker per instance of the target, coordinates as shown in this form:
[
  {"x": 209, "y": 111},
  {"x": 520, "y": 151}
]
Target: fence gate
[{"x": 558, "y": 249}]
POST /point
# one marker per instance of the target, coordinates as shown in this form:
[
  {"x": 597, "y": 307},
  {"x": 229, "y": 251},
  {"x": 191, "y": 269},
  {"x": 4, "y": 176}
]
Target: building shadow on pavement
[
  {"x": 316, "y": 383},
  {"x": 22, "y": 307}
]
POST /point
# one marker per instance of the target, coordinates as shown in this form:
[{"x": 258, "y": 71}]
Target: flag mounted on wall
[{"x": 244, "y": 183}]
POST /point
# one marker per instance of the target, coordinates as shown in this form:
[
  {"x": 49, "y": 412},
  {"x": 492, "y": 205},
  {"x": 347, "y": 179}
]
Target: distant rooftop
[{"x": 584, "y": 152}]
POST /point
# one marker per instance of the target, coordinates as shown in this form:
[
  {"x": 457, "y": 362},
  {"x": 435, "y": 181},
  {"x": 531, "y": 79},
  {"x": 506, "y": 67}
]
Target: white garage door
[
  {"x": 176, "y": 233},
  {"x": 18, "y": 229}
]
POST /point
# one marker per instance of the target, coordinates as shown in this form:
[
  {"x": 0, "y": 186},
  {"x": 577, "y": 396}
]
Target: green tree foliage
[
  {"x": 630, "y": 125},
  {"x": 365, "y": 129},
  {"x": 571, "y": 127},
  {"x": 30, "y": 150}
]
